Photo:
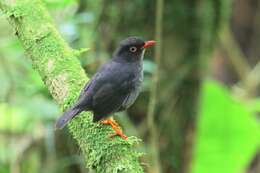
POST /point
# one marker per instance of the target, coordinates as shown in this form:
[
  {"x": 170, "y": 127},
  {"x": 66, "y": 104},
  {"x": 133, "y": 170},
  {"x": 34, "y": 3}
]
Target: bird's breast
[
  {"x": 134, "y": 85},
  {"x": 137, "y": 77}
]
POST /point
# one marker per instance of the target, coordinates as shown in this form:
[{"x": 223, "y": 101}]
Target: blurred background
[{"x": 207, "y": 98}]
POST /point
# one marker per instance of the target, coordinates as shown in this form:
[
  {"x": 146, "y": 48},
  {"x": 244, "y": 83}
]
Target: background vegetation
[{"x": 206, "y": 100}]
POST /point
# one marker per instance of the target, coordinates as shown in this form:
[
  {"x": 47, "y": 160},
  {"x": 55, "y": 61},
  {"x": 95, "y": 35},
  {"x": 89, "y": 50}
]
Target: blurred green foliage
[
  {"x": 228, "y": 134},
  {"x": 59, "y": 3},
  {"x": 27, "y": 111}
]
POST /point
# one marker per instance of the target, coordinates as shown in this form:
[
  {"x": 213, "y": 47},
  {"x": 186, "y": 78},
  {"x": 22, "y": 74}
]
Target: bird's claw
[
  {"x": 119, "y": 134},
  {"x": 116, "y": 127}
]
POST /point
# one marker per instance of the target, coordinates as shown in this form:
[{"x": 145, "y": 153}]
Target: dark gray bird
[{"x": 114, "y": 87}]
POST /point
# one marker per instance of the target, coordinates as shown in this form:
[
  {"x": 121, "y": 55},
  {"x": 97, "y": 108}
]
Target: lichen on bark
[{"x": 61, "y": 72}]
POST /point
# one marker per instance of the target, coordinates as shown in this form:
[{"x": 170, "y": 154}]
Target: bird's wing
[
  {"x": 84, "y": 91},
  {"x": 84, "y": 99},
  {"x": 106, "y": 91},
  {"x": 108, "y": 98},
  {"x": 113, "y": 90},
  {"x": 94, "y": 81},
  {"x": 129, "y": 100}
]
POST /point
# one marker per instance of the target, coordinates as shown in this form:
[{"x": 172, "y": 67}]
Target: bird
[{"x": 114, "y": 87}]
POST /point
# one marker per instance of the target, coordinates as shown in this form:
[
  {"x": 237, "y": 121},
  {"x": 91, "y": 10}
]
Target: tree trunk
[
  {"x": 61, "y": 72},
  {"x": 186, "y": 48}
]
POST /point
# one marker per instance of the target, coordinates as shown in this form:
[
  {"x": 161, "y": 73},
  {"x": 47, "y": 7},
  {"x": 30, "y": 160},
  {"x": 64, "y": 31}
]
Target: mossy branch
[{"x": 61, "y": 72}]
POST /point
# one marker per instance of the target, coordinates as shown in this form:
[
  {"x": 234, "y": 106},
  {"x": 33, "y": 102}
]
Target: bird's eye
[{"x": 133, "y": 49}]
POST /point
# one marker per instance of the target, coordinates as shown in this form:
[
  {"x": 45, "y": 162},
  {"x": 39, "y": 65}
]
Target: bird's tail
[{"x": 66, "y": 117}]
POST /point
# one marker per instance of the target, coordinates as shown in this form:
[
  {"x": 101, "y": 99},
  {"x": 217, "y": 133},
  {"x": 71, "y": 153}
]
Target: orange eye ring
[{"x": 133, "y": 49}]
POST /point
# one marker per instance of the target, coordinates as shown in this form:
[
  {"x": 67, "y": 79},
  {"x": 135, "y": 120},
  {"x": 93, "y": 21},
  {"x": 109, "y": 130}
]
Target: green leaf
[
  {"x": 254, "y": 105},
  {"x": 228, "y": 135}
]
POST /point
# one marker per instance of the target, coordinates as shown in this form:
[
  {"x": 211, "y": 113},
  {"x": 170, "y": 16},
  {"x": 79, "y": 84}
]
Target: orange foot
[{"x": 115, "y": 126}]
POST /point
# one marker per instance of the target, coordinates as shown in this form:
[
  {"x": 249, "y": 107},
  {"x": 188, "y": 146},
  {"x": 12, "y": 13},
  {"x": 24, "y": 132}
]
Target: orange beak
[{"x": 149, "y": 43}]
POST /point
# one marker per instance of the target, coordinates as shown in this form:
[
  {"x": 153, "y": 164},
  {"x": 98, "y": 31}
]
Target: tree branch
[
  {"x": 61, "y": 72},
  {"x": 153, "y": 140}
]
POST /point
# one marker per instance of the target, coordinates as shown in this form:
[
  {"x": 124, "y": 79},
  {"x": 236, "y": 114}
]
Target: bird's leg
[{"x": 115, "y": 126}]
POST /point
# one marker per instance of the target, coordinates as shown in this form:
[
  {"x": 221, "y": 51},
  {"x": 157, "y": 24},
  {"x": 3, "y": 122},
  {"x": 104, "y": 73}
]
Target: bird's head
[{"x": 132, "y": 49}]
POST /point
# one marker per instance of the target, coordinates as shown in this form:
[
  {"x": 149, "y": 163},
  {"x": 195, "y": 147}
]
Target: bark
[{"x": 61, "y": 72}]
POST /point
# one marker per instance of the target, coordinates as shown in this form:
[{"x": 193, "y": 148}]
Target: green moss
[{"x": 60, "y": 70}]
